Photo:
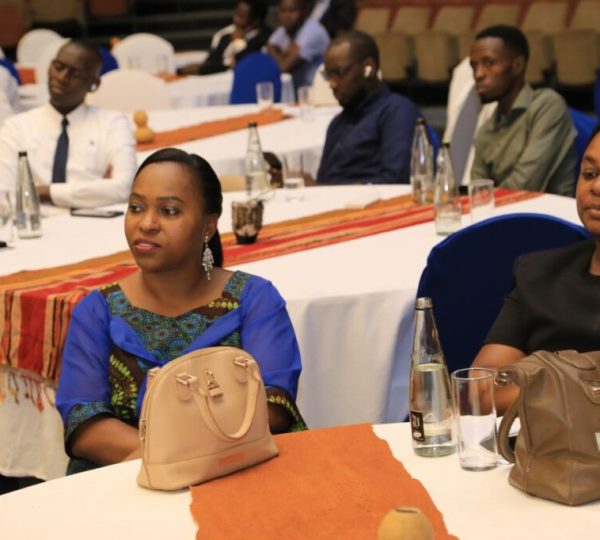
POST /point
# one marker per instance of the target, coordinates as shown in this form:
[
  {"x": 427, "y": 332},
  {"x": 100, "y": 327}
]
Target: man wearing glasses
[
  {"x": 80, "y": 156},
  {"x": 370, "y": 140}
]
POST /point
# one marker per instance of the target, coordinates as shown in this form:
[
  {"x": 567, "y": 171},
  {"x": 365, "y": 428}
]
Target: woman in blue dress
[{"x": 180, "y": 299}]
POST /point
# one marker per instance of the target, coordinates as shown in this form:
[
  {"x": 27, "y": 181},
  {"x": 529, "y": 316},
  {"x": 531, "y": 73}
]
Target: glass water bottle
[
  {"x": 430, "y": 401},
  {"x": 29, "y": 224},
  {"x": 421, "y": 165},
  {"x": 257, "y": 180},
  {"x": 448, "y": 213}
]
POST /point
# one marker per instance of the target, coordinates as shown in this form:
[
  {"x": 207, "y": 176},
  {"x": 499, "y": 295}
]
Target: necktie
[{"x": 59, "y": 169}]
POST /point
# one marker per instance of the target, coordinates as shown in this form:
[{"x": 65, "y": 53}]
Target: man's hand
[{"x": 44, "y": 193}]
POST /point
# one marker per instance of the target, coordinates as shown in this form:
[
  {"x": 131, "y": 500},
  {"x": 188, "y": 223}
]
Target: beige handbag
[
  {"x": 557, "y": 453},
  {"x": 204, "y": 415}
]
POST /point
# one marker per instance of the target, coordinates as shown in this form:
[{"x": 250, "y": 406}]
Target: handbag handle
[
  {"x": 504, "y": 430},
  {"x": 202, "y": 400}
]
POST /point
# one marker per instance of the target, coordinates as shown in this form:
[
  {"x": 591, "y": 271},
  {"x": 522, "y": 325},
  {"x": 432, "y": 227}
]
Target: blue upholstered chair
[
  {"x": 584, "y": 124},
  {"x": 252, "y": 69},
  {"x": 469, "y": 273}
]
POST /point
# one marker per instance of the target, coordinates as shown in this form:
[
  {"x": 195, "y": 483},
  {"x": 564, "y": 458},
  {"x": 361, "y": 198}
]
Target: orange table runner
[
  {"x": 325, "y": 484},
  {"x": 210, "y": 129},
  {"x": 27, "y": 75},
  {"x": 36, "y": 306}
]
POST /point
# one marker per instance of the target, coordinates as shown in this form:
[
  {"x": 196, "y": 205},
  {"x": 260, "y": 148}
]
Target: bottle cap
[
  {"x": 22, "y": 153},
  {"x": 423, "y": 303},
  {"x": 251, "y": 124}
]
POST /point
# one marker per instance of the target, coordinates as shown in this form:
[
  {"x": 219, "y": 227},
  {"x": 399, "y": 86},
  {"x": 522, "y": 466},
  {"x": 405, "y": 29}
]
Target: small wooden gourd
[
  {"x": 143, "y": 133},
  {"x": 405, "y": 524}
]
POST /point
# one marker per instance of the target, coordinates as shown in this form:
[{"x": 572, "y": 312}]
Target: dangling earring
[{"x": 207, "y": 258}]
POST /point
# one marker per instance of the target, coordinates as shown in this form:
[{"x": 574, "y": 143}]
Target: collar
[
  {"x": 76, "y": 114},
  {"x": 520, "y": 105},
  {"x": 355, "y": 111}
]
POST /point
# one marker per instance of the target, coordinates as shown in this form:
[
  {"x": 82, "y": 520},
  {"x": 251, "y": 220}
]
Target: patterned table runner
[
  {"x": 36, "y": 306},
  {"x": 325, "y": 483},
  {"x": 209, "y": 129}
]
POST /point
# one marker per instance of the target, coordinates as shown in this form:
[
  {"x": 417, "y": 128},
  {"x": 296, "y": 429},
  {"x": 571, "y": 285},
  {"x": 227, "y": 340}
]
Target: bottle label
[{"x": 416, "y": 425}]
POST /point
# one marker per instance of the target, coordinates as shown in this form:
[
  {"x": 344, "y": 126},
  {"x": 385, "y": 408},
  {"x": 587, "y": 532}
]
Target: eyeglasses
[{"x": 336, "y": 74}]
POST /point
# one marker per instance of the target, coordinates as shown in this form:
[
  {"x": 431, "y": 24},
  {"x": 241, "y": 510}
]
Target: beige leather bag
[
  {"x": 557, "y": 453},
  {"x": 204, "y": 415}
]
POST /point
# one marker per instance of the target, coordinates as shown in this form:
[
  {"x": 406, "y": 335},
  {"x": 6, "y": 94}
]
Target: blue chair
[
  {"x": 252, "y": 69},
  {"x": 109, "y": 62},
  {"x": 469, "y": 273},
  {"x": 585, "y": 125},
  {"x": 6, "y": 63}
]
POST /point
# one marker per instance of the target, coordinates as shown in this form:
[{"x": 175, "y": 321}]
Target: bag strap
[
  {"x": 202, "y": 400},
  {"x": 504, "y": 430}
]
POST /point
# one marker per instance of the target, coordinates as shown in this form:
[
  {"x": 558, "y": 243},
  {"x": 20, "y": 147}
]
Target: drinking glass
[
  {"x": 246, "y": 219},
  {"x": 307, "y": 109},
  {"x": 475, "y": 416},
  {"x": 264, "y": 95},
  {"x": 6, "y": 217},
  {"x": 481, "y": 195},
  {"x": 293, "y": 176}
]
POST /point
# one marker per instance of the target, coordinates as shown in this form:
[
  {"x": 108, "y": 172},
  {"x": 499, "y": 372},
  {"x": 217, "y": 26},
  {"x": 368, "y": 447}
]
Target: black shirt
[{"x": 555, "y": 304}]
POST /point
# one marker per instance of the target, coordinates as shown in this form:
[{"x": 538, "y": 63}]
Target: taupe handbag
[
  {"x": 204, "y": 415},
  {"x": 557, "y": 451}
]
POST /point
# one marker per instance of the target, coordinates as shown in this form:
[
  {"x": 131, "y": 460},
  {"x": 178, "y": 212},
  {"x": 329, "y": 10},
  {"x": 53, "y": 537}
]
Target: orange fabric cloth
[
  {"x": 325, "y": 484},
  {"x": 210, "y": 129},
  {"x": 27, "y": 75},
  {"x": 170, "y": 77}
]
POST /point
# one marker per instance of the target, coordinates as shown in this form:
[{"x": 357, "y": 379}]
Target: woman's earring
[{"x": 207, "y": 258}]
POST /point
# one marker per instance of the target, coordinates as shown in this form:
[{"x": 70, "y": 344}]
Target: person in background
[
  {"x": 529, "y": 141},
  {"x": 336, "y": 16},
  {"x": 246, "y": 35},
  {"x": 554, "y": 304},
  {"x": 180, "y": 300},
  {"x": 370, "y": 140},
  {"x": 299, "y": 43},
  {"x": 80, "y": 156}
]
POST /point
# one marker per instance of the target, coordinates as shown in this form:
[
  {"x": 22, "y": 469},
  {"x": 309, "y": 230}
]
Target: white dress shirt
[{"x": 101, "y": 161}]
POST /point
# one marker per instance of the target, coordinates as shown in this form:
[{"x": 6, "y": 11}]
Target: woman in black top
[{"x": 556, "y": 301}]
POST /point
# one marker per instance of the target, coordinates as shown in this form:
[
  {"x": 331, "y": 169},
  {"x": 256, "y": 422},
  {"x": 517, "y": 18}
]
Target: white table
[
  {"x": 351, "y": 305},
  {"x": 475, "y": 506},
  {"x": 226, "y": 152}
]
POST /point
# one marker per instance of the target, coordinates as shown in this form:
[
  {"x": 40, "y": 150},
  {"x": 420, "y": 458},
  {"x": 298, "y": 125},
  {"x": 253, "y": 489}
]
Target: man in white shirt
[{"x": 80, "y": 156}]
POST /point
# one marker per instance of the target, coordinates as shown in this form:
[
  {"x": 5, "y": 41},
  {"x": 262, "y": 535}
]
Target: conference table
[
  {"x": 107, "y": 503},
  {"x": 226, "y": 151},
  {"x": 350, "y": 302}
]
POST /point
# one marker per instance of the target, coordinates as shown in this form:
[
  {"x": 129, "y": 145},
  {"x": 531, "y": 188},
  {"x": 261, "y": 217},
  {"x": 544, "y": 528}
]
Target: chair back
[
  {"x": 320, "y": 92},
  {"x": 586, "y": 16},
  {"x": 42, "y": 64},
  {"x": 252, "y": 69},
  {"x": 109, "y": 62},
  {"x": 33, "y": 43},
  {"x": 372, "y": 20},
  {"x": 411, "y": 20},
  {"x": 145, "y": 52},
  {"x": 128, "y": 90},
  {"x": 469, "y": 273},
  {"x": 547, "y": 17},
  {"x": 585, "y": 125}
]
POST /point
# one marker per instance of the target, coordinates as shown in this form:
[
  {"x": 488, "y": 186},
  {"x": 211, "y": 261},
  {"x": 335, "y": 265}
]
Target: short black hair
[
  {"x": 88, "y": 47},
  {"x": 362, "y": 45},
  {"x": 512, "y": 37},
  {"x": 208, "y": 183},
  {"x": 258, "y": 8}
]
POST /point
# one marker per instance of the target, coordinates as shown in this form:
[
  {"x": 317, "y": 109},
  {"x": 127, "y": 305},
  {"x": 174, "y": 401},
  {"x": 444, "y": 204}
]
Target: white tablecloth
[
  {"x": 226, "y": 152},
  {"x": 107, "y": 503},
  {"x": 351, "y": 305}
]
